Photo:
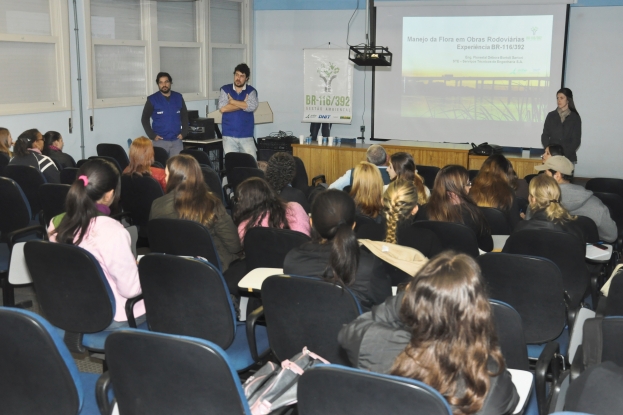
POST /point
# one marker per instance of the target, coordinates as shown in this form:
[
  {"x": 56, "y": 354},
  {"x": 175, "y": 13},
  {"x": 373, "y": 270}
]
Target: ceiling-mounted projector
[{"x": 370, "y": 55}]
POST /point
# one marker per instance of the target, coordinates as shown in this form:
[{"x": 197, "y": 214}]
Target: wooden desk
[{"x": 334, "y": 161}]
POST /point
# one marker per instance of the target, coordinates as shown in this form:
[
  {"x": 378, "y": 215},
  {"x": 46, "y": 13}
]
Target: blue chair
[
  {"x": 155, "y": 373},
  {"x": 73, "y": 293},
  {"x": 39, "y": 374},
  {"x": 189, "y": 297},
  {"x": 29, "y": 179},
  {"x": 334, "y": 389},
  {"x": 16, "y": 225}
]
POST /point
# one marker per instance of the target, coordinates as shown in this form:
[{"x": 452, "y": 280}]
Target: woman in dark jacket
[
  {"x": 334, "y": 253},
  {"x": 547, "y": 212},
  {"x": 27, "y": 152},
  {"x": 563, "y": 126},
  {"x": 439, "y": 331},
  {"x": 53, "y": 148}
]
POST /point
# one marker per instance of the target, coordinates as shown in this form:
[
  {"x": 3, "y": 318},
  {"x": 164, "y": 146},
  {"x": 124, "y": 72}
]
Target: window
[
  {"x": 35, "y": 53},
  {"x": 133, "y": 40}
]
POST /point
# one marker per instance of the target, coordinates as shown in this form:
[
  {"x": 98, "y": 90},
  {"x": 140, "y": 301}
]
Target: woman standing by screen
[{"x": 563, "y": 126}]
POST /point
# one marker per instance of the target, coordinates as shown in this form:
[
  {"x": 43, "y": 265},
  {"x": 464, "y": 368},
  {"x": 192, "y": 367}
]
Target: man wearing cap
[{"x": 577, "y": 200}]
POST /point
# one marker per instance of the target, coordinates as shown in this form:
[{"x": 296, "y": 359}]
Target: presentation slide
[{"x": 469, "y": 73}]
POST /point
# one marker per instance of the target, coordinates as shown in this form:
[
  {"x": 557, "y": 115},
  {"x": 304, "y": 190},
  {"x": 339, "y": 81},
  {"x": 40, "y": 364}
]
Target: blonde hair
[
  {"x": 4, "y": 141},
  {"x": 367, "y": 190},
  {"x": 545, "y": 196},
  {"x": 399, "y": 200}
]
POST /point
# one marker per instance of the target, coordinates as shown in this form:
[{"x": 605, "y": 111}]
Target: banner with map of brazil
[{"x": 328, "y": 86}]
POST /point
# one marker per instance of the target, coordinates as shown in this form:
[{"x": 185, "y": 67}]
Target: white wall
[
  {"x": 594, "y": 62},
  {"x": 280, "y": 37}
]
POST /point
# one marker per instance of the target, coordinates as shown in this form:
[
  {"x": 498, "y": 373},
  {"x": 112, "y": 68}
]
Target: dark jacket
[
  {"x": 375, "y": 339},
  {"x": 485, "y": 241},
  {"x": 421, "y": 239},
  {"x": 567, "y": 134},
  {"x": 40, "y": 162},
  {"x": 223, "y": 231},
  {"x": 61, "y": 159},
  {"x": 371, "y": 286},
  {"x": 539, "y": 221}
]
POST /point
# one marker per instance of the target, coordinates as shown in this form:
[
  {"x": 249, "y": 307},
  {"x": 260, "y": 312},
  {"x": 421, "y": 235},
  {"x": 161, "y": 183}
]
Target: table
[{"x": 254, "y": 279}]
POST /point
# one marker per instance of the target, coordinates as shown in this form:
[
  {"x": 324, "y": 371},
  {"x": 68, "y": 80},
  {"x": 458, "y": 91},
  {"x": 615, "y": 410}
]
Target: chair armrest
[
  {"x": 577, "y": 366},
  {"x": 251, "y": 323},
  {"x": 129, "y": 309},
  {"x": 546, "y": 360},
  {"x": 102, "y": 387},
  {"x": 13, "y": 236},
  {"x": 320, "y": 178}
]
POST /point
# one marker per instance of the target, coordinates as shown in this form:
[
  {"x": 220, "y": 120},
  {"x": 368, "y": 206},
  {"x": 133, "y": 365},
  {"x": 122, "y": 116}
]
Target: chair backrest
[
  {"x": 161, "y": 155},
  {"x": 614, "y": 203},
  {"x": 201, "y": 156},
  {"x": 213, "y": 181},
  {"x": 14, "y": 207},
  {"x": 511, "y": 337},
  {"x": 533, "y": 287},
  {"x": 565, "y": 250},
  {"x": 306, "y": 311},
  {"x": 605, "y": 185},
  {"x": 612, "y": 340},
  {"x": 40, "y": 376},
  {"x": 29, "y": 179},
  {"x": 240, "y": 174},
  {"x": 71, "y": 287},
  {"x": 268, "y": 247},
  {"x": 301, "y": 180},
  {"x": 4, "y": 161},
  {"x": 529, "y": 177},
  {"x": 79, "y": 163},
  {"x": 154, "y": 373},
  {"x": 52, "y": 198},
  {"x": 454, "y": 236},
  {"x": 333, "y": 389},
  {"x": 68, "y": 175},
  {"x": 187, "y": 297},
  {"x": 472, "y": 174},
  {"x": 497, "y": 220},
  {"x": 110, "y": 159},
  {"x": 182, "y": 237},
  {"x": 589, "y": 228},
  {"x": 115, "y": 151},
  {"x": 428, "y": 173},
  {"x": 137, "y": 195},
  {"x": 234, "y": 159}
]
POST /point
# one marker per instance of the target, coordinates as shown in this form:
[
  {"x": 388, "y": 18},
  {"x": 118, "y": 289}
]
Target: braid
[
  {"x": 393, "y": 217},
  {"x": 398, "y": 201}
]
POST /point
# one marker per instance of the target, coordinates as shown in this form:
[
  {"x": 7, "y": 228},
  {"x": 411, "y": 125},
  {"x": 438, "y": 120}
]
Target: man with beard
[
  {"x": 237, "y": 103},
  {"x": 169, "y": 115}
]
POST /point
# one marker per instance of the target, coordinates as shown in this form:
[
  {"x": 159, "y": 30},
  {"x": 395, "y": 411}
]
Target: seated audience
[
  {"x": 280, "y": 172},
  {"x": 53, "y": 148},
  {"x": 334, "y": 253},
  {"x": 141, "y": 160},
  {"x": 87, "y": 225},
  {"x": 367, "y": 191},
  {"x": 493, "y": 187},
  {"x": 400, "y": 204},
  {"x": 257, "y": 204},
  {"x": 439, "y": 331},
  {"x": 552, "y": 150},
  {"x": 546, "y": 210},
  {"x": 27, "y": 152},
  {"x": 6, "y": 142},
  {"x": 188, "y": 197},
  {"x": 577, "y": 200},
  {"x": 402, "y": 167},
  {"x": 450, "y": 202},
  {"x": 375, "y": 155}
]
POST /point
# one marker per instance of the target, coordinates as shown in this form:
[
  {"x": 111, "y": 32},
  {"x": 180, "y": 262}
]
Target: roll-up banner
[{"x": 328, "y": 86}]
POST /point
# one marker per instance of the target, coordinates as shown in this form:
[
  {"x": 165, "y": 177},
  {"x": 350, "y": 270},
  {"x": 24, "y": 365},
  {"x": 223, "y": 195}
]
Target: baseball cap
[{"x": 557, "y": 163}]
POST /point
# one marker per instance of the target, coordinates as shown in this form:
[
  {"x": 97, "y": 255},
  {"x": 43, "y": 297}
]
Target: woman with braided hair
[
  {"x": 547, "y": 211},
  {"x": 87, "y": 224},
  {"x": 402, "y": 167},
  {"x": 334, "y": 253}
]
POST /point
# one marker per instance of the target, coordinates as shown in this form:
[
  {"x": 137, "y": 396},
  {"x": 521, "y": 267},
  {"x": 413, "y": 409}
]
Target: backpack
[{"x": 273, "y": 387}]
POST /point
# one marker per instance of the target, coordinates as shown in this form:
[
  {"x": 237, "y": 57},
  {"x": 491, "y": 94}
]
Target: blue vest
[
  {"x": 240, "y": 123},
  {"x": 167, "y": 118}
]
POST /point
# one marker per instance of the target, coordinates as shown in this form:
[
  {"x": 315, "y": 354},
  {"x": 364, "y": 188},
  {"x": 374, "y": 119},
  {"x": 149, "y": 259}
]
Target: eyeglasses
[{"x": 469, "y": 184}]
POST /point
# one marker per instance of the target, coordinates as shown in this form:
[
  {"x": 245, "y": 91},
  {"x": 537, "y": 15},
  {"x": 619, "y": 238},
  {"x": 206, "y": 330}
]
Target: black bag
[{"x": 485, "y": 149}]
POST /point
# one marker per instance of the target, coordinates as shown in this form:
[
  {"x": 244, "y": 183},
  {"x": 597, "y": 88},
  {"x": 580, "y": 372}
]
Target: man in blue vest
[
  {"x": 237, "y": 103},
  {"x": 169, "y": 115}
]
